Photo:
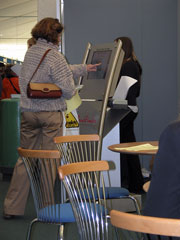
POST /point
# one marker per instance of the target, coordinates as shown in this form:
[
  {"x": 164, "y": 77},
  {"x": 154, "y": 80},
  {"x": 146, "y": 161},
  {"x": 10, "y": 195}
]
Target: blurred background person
[
  {"x": 2, "y": 69},
  {"x": 10, "y": 83},
  {"x": 163, "y": 196},
  {"x": 0, "y": 86}
]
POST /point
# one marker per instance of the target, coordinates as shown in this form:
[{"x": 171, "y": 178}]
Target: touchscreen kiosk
[
  {"x": 95, "y": 116},
  {"x": 103, "y": 58},
  {"x": 95, "y": 83}
]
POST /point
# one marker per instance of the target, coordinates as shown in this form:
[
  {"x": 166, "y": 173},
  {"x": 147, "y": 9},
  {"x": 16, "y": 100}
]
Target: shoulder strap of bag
[
  {"x": 13, "y": 86},
  {"x": 39, "y": 64}
]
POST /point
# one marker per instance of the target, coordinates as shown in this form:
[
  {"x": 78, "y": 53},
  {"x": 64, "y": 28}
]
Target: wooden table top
[{"x": 141, "y": 148}]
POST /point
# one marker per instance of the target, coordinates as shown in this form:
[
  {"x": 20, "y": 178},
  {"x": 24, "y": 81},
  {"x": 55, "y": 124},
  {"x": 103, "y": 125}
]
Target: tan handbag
[{"x": 42, "y": 90}]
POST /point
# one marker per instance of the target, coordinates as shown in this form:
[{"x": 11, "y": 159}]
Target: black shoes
[{"x": 7, "y": 216}]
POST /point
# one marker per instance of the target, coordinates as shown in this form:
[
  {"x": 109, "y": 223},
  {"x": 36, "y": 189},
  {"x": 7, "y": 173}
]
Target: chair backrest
[
  {"x": 42, "y": 168},
  {"x": 152, "y": 227},
  {"x": 78, "y": 148},
  {"x": 87, "y": 197}
]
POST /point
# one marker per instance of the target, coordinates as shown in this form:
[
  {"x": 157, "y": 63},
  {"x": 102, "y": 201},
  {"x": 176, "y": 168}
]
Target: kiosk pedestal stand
[{"x": 95, "y": 114}]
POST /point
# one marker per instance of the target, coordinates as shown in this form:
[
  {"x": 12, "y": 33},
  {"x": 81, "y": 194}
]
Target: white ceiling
[{"x": 17, "y": 17}]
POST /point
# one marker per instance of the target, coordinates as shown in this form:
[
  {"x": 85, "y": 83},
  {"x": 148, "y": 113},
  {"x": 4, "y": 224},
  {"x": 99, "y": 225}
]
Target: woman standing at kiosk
[{"x": 131, "y": 71}]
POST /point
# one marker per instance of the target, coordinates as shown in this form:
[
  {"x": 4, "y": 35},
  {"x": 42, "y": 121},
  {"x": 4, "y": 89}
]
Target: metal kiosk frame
[{"x": 95, "y": 115}]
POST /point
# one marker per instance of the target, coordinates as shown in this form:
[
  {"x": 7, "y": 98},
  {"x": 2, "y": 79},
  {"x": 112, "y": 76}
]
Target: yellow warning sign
[{"x": 71, "y": 121}]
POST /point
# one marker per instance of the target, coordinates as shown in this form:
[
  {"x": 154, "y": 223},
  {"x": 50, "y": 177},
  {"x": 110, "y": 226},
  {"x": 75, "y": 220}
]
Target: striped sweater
[{"x": 53, "y": 69}]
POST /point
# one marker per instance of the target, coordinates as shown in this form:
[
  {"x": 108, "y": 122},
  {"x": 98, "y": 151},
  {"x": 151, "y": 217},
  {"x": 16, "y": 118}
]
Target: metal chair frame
[
  {"x": 42, "y": 169},
  {"x": 82, "y": 148},
  {"x": 84, "y": 182}
]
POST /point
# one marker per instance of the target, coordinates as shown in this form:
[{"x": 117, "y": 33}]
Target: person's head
[
  {"x": 2, "y": 68},
  {"x": 9, "y": 72},
  {"x": 49, "y": 29},
  {"x": 127, "y": 46},
  {"x": 31, "y": 42}
]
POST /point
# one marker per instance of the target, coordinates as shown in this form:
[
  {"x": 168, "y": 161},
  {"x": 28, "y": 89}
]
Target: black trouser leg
[{"x": 131, "y": 175}]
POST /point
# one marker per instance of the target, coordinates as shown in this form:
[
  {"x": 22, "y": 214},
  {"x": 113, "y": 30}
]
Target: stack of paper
[{"x": 142, "y": 147}]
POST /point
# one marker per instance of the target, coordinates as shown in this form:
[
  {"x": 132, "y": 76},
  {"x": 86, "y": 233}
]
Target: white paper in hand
[{"x": 123, "y": 86}]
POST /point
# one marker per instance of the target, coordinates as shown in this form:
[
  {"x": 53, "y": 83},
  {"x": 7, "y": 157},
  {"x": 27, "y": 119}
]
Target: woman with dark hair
[
  {"x": 131, "y": 175},
  {"x": 41, "y": 119}
]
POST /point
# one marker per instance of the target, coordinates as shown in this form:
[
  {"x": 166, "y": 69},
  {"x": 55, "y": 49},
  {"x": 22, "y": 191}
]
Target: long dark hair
[{"x": 128, "y": 48}]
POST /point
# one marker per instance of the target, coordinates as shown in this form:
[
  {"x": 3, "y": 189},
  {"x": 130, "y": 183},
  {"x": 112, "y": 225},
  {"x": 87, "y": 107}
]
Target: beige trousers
[{"x": 37, "y": 132}]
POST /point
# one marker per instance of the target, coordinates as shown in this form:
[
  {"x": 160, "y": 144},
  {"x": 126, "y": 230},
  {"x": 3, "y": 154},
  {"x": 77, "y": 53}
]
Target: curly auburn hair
[
  {"x": 47, "y": 28},
  {"x": 31, "y": 42}
]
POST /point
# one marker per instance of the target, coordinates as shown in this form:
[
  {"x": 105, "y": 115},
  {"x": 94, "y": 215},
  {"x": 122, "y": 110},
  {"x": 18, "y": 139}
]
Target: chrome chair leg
[
  {"x": 135, "y": 204},
  {"x": 30, "y": 228},
  {"x": 60, "y": 232}
]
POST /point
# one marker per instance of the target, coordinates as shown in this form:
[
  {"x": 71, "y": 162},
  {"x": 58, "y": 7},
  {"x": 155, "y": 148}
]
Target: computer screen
[
  {"x": 95, "y": 83},
  {"x": 102, "y": 57}
]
